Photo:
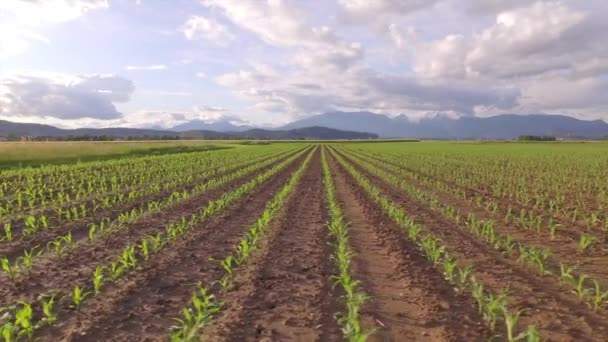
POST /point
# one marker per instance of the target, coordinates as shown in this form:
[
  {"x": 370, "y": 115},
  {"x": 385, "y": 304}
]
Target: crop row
[
  {"x": 205, "y": 304},
  {"x": 37, "y": 314},
  {"x": 583, "y": 286},
  {"x": 493, "y": 306},
  {"x": 68, "y": 244},
  {"x": 81, "y": 211}
]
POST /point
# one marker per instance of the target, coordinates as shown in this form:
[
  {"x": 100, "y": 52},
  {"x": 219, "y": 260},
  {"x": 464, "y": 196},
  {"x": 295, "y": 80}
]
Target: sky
[{"x": 160, "y": 63}]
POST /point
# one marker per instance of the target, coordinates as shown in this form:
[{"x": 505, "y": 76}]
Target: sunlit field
[{"x": 384, "y": 240}]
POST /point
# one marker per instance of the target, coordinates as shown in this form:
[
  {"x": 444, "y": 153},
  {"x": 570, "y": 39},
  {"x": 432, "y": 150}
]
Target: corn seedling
[
  {"x": 78, "y": 296},
  {"x": 23, "y": 319},
  {"x": 98, "y": 279},
  {"x": 599, "y": 296},
  {"x": 8, "y": 233},
  {"x": 585, "y": 242},
  {"x": 566, "y": 274},
  {"x": 8, "y": 268},
  {"x": 579, "y": 287},
  {"x": 48, "y": 306}
]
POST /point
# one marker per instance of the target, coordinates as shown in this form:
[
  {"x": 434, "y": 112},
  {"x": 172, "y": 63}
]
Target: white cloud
[
  {"x": 22, "y": 21},
  {"x": 276, "y": 22},
  {"x": 146, "y": 67},
  {"x": 35, "y": 13},
  {"x": 63, "y": 96},
  {"x": 198, "y": 27},
  {"x": 304, "y": 92},
  {"x": 542, "y": 37}
]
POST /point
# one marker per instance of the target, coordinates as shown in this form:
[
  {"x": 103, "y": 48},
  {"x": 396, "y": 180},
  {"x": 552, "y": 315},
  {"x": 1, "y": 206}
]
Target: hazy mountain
[
  {"x": 220, "y": 126},
  {"x": 507, "y": 126},
  {"x": 319, "y": 133},
  {"x": 8, "y": 129}
]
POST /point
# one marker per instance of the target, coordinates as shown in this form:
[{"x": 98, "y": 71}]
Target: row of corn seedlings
[
  {"x": 354, "y": 297},
  {"x": 204, "y": 304},
  {"x": 550, "y": 192},
  {"x": 585, "y": 288},
  {"x": 53, "y": 217},
  {"x": 129, "y": 258},
  {"x": 105, "y": 227},
  {"x": 523, "y": 218},
  {"x": 493, "y": 306},
  {"x": 45, "y": 190}
]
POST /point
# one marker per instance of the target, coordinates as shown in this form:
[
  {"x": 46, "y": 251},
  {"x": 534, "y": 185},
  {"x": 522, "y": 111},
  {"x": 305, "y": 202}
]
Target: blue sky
[{"x": 158, "y": 63}]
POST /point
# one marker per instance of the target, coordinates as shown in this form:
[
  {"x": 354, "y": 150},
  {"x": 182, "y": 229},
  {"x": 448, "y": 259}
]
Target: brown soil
[
  {"x": 285, "y": 292},
  {"x": 555, "y": 311},
  {"x": 410, "y": 301},
  {"x": 63, "y": 273},
  {"x": 142, "y": 306}
]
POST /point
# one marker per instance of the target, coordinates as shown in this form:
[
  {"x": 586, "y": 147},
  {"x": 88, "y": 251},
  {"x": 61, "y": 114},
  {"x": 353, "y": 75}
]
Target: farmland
[{"x": 397, "y": 241}]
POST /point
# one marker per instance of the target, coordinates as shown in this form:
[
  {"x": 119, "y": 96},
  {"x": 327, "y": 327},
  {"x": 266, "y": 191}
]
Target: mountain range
[
  {"x": 14, "y": 130},
  {"x": 351, "y": 125},
  {"x": 506, "y": 126}
]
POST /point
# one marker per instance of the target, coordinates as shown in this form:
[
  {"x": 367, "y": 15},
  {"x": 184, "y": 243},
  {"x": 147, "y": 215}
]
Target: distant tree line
[{"x": 536, "y": 138}]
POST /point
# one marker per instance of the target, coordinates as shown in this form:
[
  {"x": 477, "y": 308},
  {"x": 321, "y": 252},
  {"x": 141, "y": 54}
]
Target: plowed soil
[
  {"x": 285, "y": 291},
  {"x": 62, "y": 273},
  {"x": 409, "y": 299},
  {"x": 555, "y": 311},
  {"x": 144, "y": 305}
]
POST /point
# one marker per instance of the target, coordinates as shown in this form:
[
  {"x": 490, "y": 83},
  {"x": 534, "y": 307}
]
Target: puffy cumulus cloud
[
  {"x": 198, "y": 27},
  {"x": 280, "y": 23},
  {"x": 326, "y": 73},
  {"x": 556, "y": 53},
  {"x": 22, "y": 20},
  {"x": 303, "y": 93},
  {"x": 276, "y": 22},
  {"x": 169, "y": 119},
  {"x": 527, "y": 41},
  {"x": 64, "y": 97}
]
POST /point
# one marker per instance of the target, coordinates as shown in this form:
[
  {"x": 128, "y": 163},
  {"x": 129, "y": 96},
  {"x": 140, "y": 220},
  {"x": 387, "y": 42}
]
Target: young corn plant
[
  {"x": 8, "y": 233},
  {"x": 566, "y": 274},
  {"x": 579, "y": 287},
  {"x": 464, "y": 275},
  {"x": 27, "y": 260},
  {"x": 203, "y": 308},
  {"x": 48, "y": 306},
  {"x": 493, "y": 306},
  {"x": 449, "y": 269},
  {"x": 98, "y": 279},
  {"x": 10, "y": 270},
  {"x": 24, "y": 319},
  {"x": 585, "y": 242},
  {"x": 8, "y": 332},
  {"x": 78, "y": 296},
  {"x": 599, "y": 296}
]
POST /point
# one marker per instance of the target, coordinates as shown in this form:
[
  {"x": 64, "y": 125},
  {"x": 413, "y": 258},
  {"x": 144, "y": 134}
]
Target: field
[{"x": 391, "y": 241}]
